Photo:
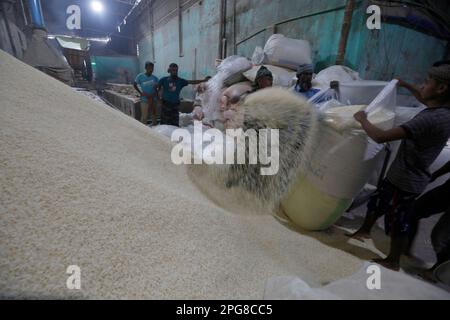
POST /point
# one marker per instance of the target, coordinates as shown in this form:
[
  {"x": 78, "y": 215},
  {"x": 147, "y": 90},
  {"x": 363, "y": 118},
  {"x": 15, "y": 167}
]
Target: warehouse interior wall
[
  {"x": 191, "y": 36},
  {"x": 116, "y": 69}
]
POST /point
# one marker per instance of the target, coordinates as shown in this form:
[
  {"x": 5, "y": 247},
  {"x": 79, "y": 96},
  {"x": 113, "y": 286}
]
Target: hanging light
[{"x": 97, "y": 6}]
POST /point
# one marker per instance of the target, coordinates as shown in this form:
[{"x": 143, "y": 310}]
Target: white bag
[
  {"x": 233, "y": 67},
  {"x": 334, "y": 73},
  {"x": 258, "y": 56},
  {"x": 287, "y": 53},
  {"x": 227, "y": 69},
  {"x": 235, "y": 92}
]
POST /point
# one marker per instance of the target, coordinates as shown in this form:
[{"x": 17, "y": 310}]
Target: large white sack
[
  {"x": 282, "y": 77},
  {"x": 234, "y": 67},
  {"x": 235, "y": 92},
  {"x": 341, "y": 163},
  {"x": 334, "y": 73},
  {"x": 286, "y": 52}
]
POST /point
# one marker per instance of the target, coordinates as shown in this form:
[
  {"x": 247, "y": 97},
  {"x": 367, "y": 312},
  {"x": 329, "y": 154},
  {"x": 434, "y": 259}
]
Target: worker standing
[
  {"x": 423, "y": 139},
  {"x": 434, "y": 202},
  {"x": 170, "y": 88},
  {"x": 148, "y": 85}
]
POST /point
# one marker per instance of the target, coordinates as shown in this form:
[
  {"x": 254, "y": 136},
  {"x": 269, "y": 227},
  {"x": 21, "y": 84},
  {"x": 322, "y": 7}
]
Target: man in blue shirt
[
  {"x": 171, "y": 87},
  {"x": 148, "y": 85},
  {"x": 304, "y": 82}
]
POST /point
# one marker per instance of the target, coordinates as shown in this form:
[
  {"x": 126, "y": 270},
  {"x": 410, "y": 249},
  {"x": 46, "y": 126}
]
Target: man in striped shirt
[{"x": 423, "y": 139}]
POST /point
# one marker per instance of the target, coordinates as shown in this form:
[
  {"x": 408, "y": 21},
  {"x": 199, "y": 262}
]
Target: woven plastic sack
[{"x": 286, "y": 52}]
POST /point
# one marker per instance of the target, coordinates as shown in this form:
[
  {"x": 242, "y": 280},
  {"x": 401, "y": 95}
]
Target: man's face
[
  {"x": 432, "y": 89},
  {"x": 173, "y": 71},
  {"x": 265, "y": 82},
  {"x": 149, "y": 69},
  {"x": 305, "y": 79}
]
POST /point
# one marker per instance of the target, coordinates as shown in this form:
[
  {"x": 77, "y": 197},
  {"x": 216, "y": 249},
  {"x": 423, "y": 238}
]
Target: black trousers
[
  {"x": 170, "y": 113},
  {"x": 432, "y": 203}
]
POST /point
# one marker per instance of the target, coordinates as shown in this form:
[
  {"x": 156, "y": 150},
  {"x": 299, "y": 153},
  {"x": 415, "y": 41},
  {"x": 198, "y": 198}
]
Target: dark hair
[
  {"x": 441, "y": 63},
  {"x": 437, "y": 65},
  {"x": 173, "y": 65},
  {"x": 148, "y": 63}
]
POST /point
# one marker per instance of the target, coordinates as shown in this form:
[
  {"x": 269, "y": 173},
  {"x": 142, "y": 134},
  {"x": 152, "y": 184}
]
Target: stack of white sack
[
  {"x": 231, "y": 67},
  {"x": 230, "y": 100},
  {"x": 208, "y": 95},
  {"x": 282, "y": 56},
  {"x": 220, "y": 99},
  {"x": 283, "y": 52},
  {"x": 340, "y": 164},
  {"x": 282, "y": 77}
]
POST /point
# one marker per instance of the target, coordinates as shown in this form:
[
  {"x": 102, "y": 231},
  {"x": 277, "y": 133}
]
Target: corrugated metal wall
[{"x": 379, "y": 54}]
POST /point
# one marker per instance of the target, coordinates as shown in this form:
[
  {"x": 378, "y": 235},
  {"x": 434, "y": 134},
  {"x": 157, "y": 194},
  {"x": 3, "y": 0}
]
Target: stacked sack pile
[{"x": 217, "y": 100}]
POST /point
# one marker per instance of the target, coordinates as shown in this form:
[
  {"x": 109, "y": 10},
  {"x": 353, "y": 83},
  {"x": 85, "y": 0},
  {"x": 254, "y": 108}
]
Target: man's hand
[
  {"x": 401, "y": 83},
  {"x": 360, "y": 116}
]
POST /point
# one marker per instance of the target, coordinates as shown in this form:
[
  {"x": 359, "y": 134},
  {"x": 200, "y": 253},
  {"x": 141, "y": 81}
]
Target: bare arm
[
  {"x": 414, "y": 90},
  {"x": 194, "y": 82},
  {"x": 156, "y": 94},
  {"x": 379, "y": 135},
  {"x": 135, "y": 85}
]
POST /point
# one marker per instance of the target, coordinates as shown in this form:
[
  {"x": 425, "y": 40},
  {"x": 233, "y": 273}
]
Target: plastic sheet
[
  {"x": 360, "y": 92},
  {"x": 393, "y": 286},
  {"x": 341, "y": 163}
]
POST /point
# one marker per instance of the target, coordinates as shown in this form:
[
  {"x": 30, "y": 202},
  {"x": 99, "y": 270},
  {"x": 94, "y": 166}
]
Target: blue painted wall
[
  {"x": 200, "y": 28},
  {"x": 380, "y": 54},
  {"x": 118, "y": 69}
]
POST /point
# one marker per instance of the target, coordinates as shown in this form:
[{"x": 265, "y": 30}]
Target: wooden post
[{"x": 345, "y": 31}]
